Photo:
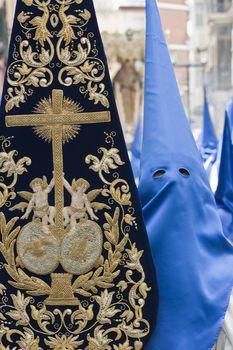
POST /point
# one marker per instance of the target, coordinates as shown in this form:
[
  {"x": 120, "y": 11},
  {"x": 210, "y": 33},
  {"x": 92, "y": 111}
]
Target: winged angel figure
[
  {"x": 82, "y": 203},
  {"x": 37, "y": 201}
]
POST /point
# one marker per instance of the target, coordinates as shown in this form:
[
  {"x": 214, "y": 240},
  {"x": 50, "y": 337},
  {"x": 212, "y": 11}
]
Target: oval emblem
[
  {"x": 54, "y": 20},
  {"x": 82, "y": 248},
  {"x": 38, "y": 250}
]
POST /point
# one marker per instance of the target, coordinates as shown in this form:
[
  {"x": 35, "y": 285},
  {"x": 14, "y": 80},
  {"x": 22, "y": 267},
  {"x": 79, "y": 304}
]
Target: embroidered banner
[{"x": 76, "y": 269}]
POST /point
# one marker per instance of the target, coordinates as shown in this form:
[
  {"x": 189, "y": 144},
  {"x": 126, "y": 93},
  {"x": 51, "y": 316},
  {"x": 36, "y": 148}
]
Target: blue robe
[{"x": 193, "y": 258}]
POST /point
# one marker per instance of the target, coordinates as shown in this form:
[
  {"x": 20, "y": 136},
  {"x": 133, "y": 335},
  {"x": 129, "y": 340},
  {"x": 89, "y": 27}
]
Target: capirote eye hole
[
  {"x": 159, "y": 173},
  {"x": 184, "y": 172}
]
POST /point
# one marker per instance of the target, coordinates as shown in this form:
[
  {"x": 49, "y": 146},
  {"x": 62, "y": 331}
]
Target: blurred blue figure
[
  {"x": 214, "y": 172},
  {"x": 136, "y": 150},
  {"x": 208, "y": 142},
  {"x": 193, "y": 259},
  {"x": 224, "y": 193}
]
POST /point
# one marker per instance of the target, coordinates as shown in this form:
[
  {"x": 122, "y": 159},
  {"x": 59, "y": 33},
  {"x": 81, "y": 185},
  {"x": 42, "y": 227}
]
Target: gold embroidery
[
  {"x": 62, "y": 119},
  {"x": 33, "y": 68},
  {"x": 21, "y": 280},
  {"x": 12, "y": 169},
  {"x": 55, "y": 121},
  {"x": 81, "y": 65},
  {"x": 69, "y": 132},
  {"x": 58, "y": 175},
  {"x": 122, "y": 309},
  {"x": 64, "y": 342},
  {"x": 110, "y": 161},
  {"x": 39, "y": 236},
  {"x": 67, "y": 32},
  {"x": 61, "y": 290},
  {"x": 103, "y": 281},
  {"x": 30, "y": 68}
]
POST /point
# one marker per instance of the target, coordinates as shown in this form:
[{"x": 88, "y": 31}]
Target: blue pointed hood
[
  {"x": 208, "y": 140},
  {"x": 208, "y": 144},
  {"x": 166, "y": 95},
  {"x": 136, "y": 149},
  {"x": 192, "y": 257},
  {"x": 224, "y": 193}
]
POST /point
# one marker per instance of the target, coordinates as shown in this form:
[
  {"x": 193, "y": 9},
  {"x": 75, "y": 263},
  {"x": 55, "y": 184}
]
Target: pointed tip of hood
[
  {"x": 166, "y": 128},
  {"x": 208, "y": 140}
]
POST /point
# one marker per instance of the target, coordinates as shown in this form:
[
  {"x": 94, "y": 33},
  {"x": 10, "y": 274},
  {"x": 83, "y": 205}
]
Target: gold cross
[{"x": 56, "y": 120}]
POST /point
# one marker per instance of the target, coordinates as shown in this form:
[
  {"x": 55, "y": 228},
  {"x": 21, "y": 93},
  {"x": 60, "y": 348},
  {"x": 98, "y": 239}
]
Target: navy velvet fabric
[{"x": 88, "y": 141}]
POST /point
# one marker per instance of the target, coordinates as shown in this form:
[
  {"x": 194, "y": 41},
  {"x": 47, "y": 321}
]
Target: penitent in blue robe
[{"x": 194, "y": 261}]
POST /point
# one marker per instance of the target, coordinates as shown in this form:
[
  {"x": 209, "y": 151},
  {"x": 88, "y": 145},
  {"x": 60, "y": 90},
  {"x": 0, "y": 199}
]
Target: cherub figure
[
  {"x": 38, "y": 201},
  {"x": 81, "y": 202}
]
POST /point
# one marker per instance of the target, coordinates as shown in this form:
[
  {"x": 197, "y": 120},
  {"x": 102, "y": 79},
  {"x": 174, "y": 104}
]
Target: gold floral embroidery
[
  {"x": 12, "y": 169},
  {"x": 81, "y": 65},
  {"x": 110, "y": 161},
  {"x": 64, "y": 342},
  {"x": 30, "y": 67},
  {"x": 33, "y": 67}
]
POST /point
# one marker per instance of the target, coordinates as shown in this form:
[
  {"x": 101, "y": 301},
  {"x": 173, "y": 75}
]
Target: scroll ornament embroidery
[
  {"x": 76, "y": 64},
  {"x": 12, "y": 169}
]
